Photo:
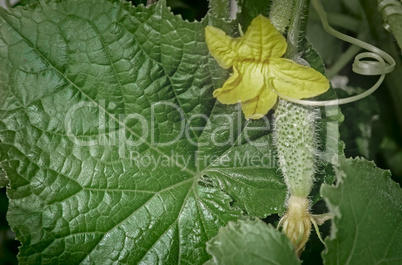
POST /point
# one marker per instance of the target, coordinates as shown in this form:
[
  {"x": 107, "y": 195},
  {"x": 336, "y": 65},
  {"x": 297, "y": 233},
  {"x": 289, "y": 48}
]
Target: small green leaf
[
  {"x": 367, "y": 209},
  {"x": 251, "y": 242}
]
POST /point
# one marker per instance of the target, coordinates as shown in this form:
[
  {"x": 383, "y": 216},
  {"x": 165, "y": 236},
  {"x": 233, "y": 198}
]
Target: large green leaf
[
  {"x": 251, "y": 242},
  {"x": 367, "y": 208},
  {"x": 113, "y": 145}
]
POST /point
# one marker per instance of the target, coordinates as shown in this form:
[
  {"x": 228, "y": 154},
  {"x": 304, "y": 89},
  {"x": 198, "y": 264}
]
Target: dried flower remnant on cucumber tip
[
  {"x": 296, "y": 223},
  {"x": 257, "y": 65}
]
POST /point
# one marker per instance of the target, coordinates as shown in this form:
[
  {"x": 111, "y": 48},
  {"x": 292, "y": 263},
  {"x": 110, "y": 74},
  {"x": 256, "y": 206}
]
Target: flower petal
[
  {"x": 295, "y": 80},
  {"x": 229, "y": 92},
  {"x": 261, "y": 41},
  {"x": 220, "y": 46},
  {"x": 259, "y": 106},
  {"x": 245, "y": 83}
]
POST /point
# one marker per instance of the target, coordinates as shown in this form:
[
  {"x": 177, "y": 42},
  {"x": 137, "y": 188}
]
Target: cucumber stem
[{"x": 281, "y": 13}]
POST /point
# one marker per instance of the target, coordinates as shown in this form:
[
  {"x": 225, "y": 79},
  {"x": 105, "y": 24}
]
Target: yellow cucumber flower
[{"x": 257, "y": 65}]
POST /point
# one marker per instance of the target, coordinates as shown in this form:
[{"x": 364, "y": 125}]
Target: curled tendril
[
  {"x": 374, "y": 62},
  {"x": 388, "y": 8}
]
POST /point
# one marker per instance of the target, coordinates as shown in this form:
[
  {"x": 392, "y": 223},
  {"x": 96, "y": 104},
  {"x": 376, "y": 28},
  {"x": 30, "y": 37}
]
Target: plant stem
[
  {"x": 220, "y": 8},
  {"x": 395, "y": 23},
  {"x": 393, "y": 80},
  {"x": 233, "y": 9},
  {"x": 8, "y": 4},
  {"x": 281, "y": 13},
  {"x": 297, "y": 26}
]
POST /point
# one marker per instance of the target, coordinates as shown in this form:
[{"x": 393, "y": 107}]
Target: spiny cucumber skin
[
  {"x": 281, "y": 13},
  {"x": 296, "y": 146}
]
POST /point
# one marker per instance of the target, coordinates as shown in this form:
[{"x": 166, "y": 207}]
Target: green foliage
[
  {"x": 27, "y": 2},
  {"x": 249, "y": 9},
  {"x": 251, "y": 242},
  {"x": 361, "y": 131},
  {"x": 97, "y": 203},
  {"x": 367, "y": 209}
]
